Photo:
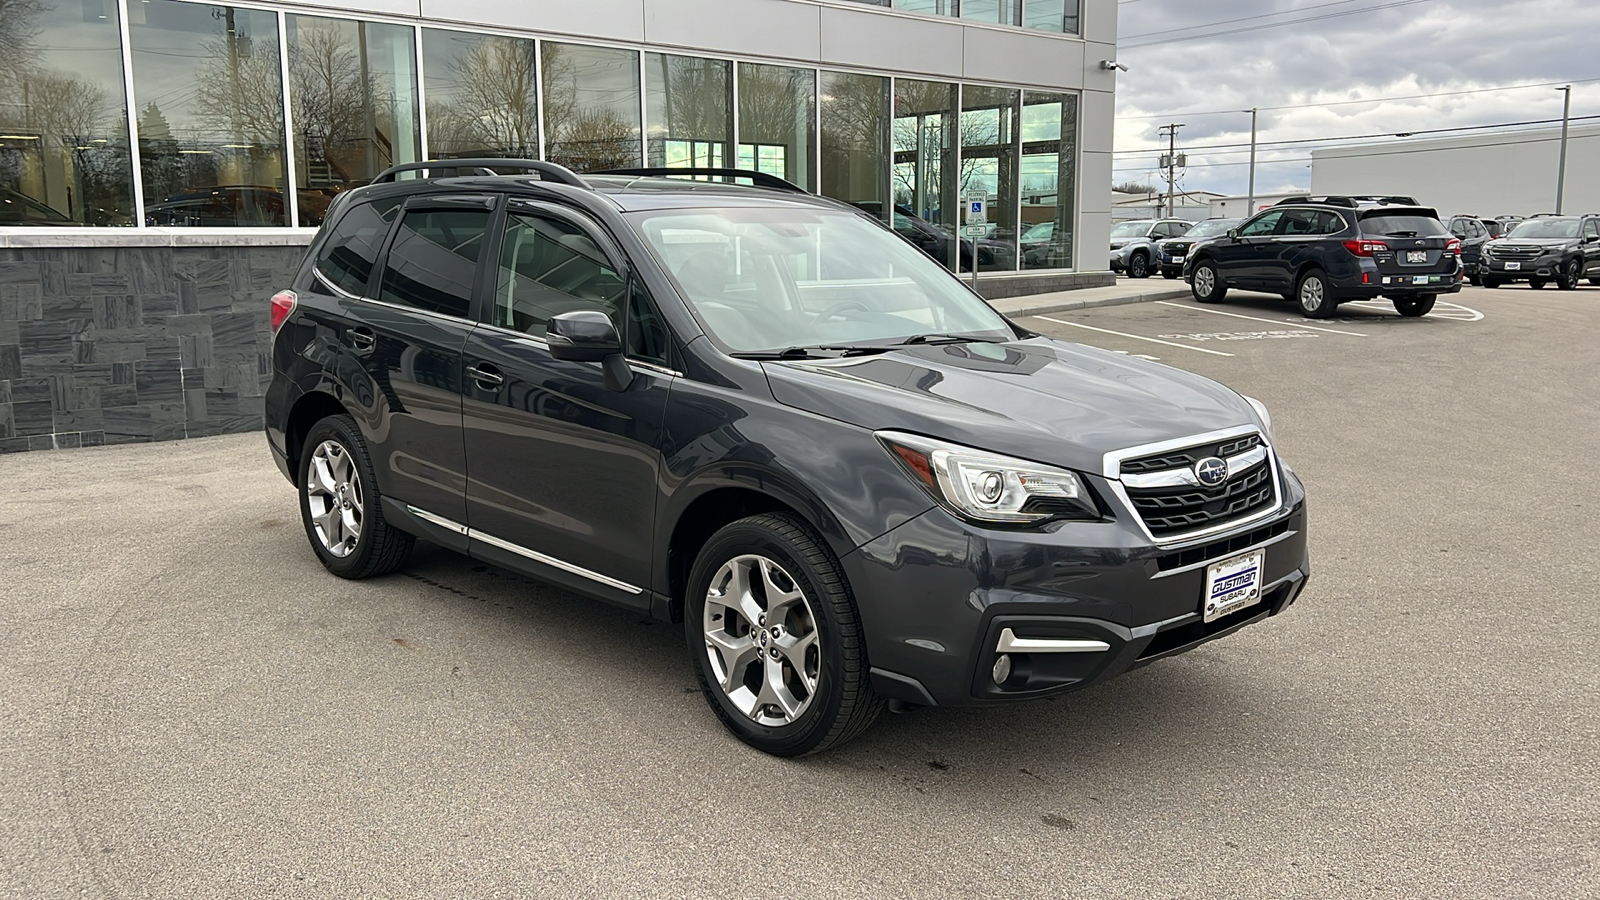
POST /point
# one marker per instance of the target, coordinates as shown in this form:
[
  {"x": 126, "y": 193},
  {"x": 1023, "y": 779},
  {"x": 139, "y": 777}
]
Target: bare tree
[{"x": 491, "y": 106}]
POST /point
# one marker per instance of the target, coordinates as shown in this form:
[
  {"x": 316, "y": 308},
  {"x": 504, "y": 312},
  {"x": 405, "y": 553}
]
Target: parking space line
[
  {"x": 1135, "y": 337},
  {"x": 1219, "y": 312}
]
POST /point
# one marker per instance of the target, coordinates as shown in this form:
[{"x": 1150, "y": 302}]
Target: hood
[
  {"x": 1506, "y": 243},
  {"x": 1039, "y": 399}
]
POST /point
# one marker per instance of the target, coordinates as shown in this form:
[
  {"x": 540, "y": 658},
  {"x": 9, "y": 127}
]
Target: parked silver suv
[{"x": 1133, "y": 244}]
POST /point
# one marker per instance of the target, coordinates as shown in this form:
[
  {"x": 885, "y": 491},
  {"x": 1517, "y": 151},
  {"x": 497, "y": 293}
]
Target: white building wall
[{"x": 1488, "y": 175}]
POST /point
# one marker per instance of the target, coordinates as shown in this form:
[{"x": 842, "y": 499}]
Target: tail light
[
  {"x": 1452, "y": 246},
  {"x": 282, "y": 304},
  {"x": 1365, "y": 248}
]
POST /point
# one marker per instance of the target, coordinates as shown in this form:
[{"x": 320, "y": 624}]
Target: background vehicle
[
  {"x": 1323, "y": 251},
  {"x": 1173, "y": 251},
  {"x": 1473, "y": 233},
  {"x": 223, "y": 205},
  {"x": 1133, "y": 243},
  {"x": 1542, "y": 249},
  {"x": 756, "y": 412},
  {"x": 1043, "y": 247},
  {"x": 19, "y": 209}
]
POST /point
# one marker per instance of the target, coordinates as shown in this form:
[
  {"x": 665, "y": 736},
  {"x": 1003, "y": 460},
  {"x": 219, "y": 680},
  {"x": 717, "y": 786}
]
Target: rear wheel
[
  {"x": 1207, "y": 286},
  {"x": 1139, "y": 266},
  {"x": 1316, "y": 301},
  {"x": 341, "y": 507},
  {"x": 775, "y": 638},
  {"x": 1414, "y": 307},
  {"x": 1567, "y": 280}
]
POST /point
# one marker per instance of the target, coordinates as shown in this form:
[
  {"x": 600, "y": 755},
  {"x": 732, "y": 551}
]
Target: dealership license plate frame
[
  {"x": 1232, "y": 584},
  {"x": 1513, "y": 267}
]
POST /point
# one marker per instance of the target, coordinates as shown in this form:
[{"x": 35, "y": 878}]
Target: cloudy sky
[{"x": 1199, "y": 62}]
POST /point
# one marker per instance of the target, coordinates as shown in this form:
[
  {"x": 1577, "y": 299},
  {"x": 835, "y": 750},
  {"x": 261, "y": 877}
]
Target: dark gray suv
[{"x": 762, "y": 414}]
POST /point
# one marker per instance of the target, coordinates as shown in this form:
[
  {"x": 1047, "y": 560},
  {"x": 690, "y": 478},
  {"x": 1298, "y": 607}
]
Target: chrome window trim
[
  {"x": 473, "y": 534},
  {"x": 1185, "y": 477},
  {"x": 1112, "y": 468},
  {"x": 337, "y": 291},
  {"x": 543, "y": 344},
  {"x": 413, "y": 309}
]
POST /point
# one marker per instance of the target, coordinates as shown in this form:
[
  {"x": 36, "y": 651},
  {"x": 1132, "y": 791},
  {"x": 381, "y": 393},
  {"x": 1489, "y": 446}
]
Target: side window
[
  {"x": 1298, "y": 222},
  {"x": 548, "y": 267},
  {"x": 1458, "y": 227},
  {"x": 347, "y": 258},
  {"x": 1261, "y": 225},
  {"x": 1329, "y": 223},
  {"x": 646, "y": 332},
  {"x": 1591, "y": 228},
  {"x": 1163, "y": 230},
  {"x": 433, "y": 262}
]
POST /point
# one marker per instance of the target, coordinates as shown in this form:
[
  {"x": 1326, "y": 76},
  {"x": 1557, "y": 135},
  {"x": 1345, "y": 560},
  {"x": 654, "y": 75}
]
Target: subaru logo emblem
[{"x": 1211, "y": 471}]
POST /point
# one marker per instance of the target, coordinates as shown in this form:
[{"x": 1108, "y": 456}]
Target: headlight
[
  {"x": 1261, "y": 410},
  {"x": 985, "y": 487}
]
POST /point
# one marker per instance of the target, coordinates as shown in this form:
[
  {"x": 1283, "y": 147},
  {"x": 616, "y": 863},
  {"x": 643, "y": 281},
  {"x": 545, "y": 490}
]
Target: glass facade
[
  {"x": 64, "y": 156},
  {"x": 252, "y": 117}
]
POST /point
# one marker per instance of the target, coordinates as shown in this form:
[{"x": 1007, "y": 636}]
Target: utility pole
[
  {"x": 1250, "y": 204},
  {"x": 1561, "y": 167},
  {"x": 1171, "y": 131}
]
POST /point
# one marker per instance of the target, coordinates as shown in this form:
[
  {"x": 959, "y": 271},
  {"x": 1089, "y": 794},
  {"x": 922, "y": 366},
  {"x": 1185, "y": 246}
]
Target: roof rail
[
  {"x": 1546, "y": 215},
  {"x": 548, "y": 171},
  {"x": 1351, "y": 200},
  {"x": 759, "y": 179}
]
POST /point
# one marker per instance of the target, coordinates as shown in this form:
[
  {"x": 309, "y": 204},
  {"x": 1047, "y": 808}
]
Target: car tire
[
  {"x": 1169, "y": 273},
  {"x": 1414, "y": 307},
  {"x": 1475, "y": 280},
  {"x": 1313, "y": 296},
  {"x": 1567, "y": 280},
  {"x": 1139, "y": 266},
  {"x": 1492, "y": 283},
  {"x": 341, "y": 507},
  {"x": 1536, "y": 283},
  {"x": 1207, "y": 285},
  {"x": 747, "y": 666},
  {"x": 1595, "y": 282}
]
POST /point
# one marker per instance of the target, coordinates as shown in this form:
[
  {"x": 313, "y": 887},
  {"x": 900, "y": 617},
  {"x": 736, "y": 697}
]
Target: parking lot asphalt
[{"x": 192, "y": 707}]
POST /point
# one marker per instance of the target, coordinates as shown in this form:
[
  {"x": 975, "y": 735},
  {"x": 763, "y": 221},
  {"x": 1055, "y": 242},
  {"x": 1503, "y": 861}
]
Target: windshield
[
  {"x": 1040, "y": 232},
  {"x": 1545, "y": 228},
  {"x": 1210, "y": 227},
  {"x": 1130, "y": 229},
  {"x": 769, "y": 278}
]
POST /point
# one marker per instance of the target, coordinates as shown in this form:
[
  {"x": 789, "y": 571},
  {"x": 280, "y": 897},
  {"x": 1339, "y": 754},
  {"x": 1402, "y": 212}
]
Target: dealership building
[{"x": 164, "y": 163}]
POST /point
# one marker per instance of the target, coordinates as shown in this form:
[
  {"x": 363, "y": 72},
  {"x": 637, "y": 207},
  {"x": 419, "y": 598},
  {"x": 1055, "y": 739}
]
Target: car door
[
  {"x": 408, "y": 335},
  {"x": 1297, "y": 240},
  {"x": 1242, "y": 259},
  {"x": 1591, "y": 247},
  {"x": 562, "y": 467}
]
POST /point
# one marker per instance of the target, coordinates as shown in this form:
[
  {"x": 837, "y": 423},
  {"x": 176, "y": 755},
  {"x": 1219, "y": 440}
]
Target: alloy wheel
[
  {"x": 1205, "y": 281},
  {"x": 761, "y": 640},
  {"x": 1311, "y": 293},
  {"x": 335, "y": 498}
]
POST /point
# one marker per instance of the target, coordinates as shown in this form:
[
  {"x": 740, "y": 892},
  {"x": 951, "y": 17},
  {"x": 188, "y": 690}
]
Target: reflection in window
[
  {"x": 932, "y": 7},
  {"x": 855, "y": 129},
  {"x": 924, "y": 176},
  {"x": 989, "y": 166},
  {"x": 777, "y": 121},
  {"x": 1000, "y": 12},
  {"x": 352, "y": 90},
  {"x": 1051, "y": 15},
  {"x": 481, "y": 95},
  {"x": 208, "y": 83},
  {"x": 689, "y": 110},
  {"x": 591, "y": 106},
  {"x": 1049, "y": 152},
  {"x": 433, "y": 262},
  {"x": 63, "y": 129},
  {"x": 549, "y": 267}
]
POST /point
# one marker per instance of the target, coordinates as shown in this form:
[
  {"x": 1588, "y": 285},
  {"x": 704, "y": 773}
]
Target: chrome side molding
[
  {"x": 1010, "y": 643},
  {"x": 473, "y": 534}
]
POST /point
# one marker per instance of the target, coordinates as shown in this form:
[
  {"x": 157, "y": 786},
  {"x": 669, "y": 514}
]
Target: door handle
[
  {"x": 487, "y": 376},
  {"x": 362, "y": 338}
]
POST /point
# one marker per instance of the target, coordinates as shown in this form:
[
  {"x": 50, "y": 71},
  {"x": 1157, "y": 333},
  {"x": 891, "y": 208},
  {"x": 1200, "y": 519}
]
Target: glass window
[
  {"x": 208, "y": 83},
  {"x": 591, "y": 106},
  {"x": 647, "y": 334},
  {"x": 924, "y": 174},
  {"x": 931, "y": 7},
  {"x": 688, "y": 110},
  {"x": 433, "y": 262},
  {"x": 854, "y": 112},
  {"x": 548, "y": 267},
  {"x": 1000, "y": 12},
  {"x": 63, "y": 125},
  {"x": 347, "y": 257},
  {"x": 1298, "y": 222},
  {"x": 989, "y": 166},
  {"x": 352, "y": 90},
  {"x": 1591, "y": 228},
  {"x": 1051, "y": 15},
  {"x": 1263, "y": 224},
  {"x": 1048, "y": 177},
  {"x": 777, "y": 121},
  {"x": 1329, "y": 223},
  {"x": 481, "y": 95},
  {"x": 1399, "y": 224}
]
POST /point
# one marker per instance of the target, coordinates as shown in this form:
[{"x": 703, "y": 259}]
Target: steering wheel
[{"x": 840, "y": 307}]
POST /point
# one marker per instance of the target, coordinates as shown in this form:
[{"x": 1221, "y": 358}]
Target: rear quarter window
[{"x": 346, "y": 259}]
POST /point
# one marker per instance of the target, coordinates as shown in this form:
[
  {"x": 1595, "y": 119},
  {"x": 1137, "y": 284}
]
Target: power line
[
  {"x": 1235, "y": 112},
  {"x": 1285, "y": 12},
  {"x": 1358, "y": 137},
  {"x": 1214, "y": 34},
  {"x": 1303, "y": 159}
]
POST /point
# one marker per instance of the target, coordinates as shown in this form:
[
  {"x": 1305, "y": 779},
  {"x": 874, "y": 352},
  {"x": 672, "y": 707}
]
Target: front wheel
[
  {"x": 1207, "y": 286},
  {"x": 1139, "y": 266},
  {"x": 341, "y": 507},
  {"x": 1316, "y": 301},
  {"x": 1567, "y": 280},
  {"x": 775, "y": 638},
  {"x": 1414, "y": 308}
]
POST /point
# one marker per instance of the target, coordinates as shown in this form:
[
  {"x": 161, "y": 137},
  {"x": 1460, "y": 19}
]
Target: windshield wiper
[
  {"x": 809, "y": 351},
  {"x": 952, "y": 339}
]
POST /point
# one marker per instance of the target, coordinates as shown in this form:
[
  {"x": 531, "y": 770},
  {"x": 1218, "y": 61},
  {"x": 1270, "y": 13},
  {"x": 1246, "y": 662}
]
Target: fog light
[{"x": 1002, "y": 668}]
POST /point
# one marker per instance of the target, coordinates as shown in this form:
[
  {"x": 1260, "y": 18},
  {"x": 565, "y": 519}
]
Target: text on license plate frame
[
  {"x": 1416, "y": 256},
  {"x": 1232, "y": 584},
  {"x": 1513, "y": 267}
]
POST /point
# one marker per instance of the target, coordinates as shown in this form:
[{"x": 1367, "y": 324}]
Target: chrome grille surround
[{"x": 1257, "y": 453}]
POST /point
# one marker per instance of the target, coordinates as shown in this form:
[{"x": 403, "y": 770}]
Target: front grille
[
  {"x": 1518, "y": 252},
  {"x": 1219, "y": 549},
  {"x": 1169, "y": 511},
  {"x": 1177, "y": 249}
]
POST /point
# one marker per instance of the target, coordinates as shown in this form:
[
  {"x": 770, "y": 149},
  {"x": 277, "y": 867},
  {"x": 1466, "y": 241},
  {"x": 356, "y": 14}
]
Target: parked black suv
[
  {"x": 1542, "y": 249},
  {"x": 761, "y": 413},
  {"x": 1473, "y": 233},
  {"x": 1322, "y": 251}
]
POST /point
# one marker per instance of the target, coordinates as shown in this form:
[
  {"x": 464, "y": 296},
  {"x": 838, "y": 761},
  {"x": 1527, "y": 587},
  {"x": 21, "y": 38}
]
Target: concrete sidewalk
[{"x": 1126, "y": 290}]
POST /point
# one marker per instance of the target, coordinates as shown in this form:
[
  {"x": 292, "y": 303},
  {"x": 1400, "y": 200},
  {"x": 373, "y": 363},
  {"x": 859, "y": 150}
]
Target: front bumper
[
  {"x": 1544, "y": 268},
  {"x": 938, "y": 595}
]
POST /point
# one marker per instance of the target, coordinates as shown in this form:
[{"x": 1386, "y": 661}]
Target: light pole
[
  {"x": 1171, "y": 132},
  {"x": 1250, "y": 203},
  {"x": 1561, "y": 167}
]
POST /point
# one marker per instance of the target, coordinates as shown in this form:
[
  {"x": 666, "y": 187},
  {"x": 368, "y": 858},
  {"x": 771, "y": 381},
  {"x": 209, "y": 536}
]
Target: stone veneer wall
[{"x": 140, "y": 337}]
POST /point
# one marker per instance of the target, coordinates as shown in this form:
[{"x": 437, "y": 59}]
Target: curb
[{"x": 1069, "y": 305}]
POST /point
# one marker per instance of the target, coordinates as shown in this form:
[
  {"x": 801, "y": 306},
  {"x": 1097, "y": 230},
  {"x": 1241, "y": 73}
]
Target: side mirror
[
  {"x": 587, "y": 335},
  {"x": 1233, "y": 233}
]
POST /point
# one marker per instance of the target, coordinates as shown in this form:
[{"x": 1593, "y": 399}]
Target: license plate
[
  {"x": 1416, "y": 256},
  {"x": 1419, "y": 279},
  {"x": 1513, "y": 266},
  {"x": 1232, "y": 585},
  {"x": 1178, "y": 257}
]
